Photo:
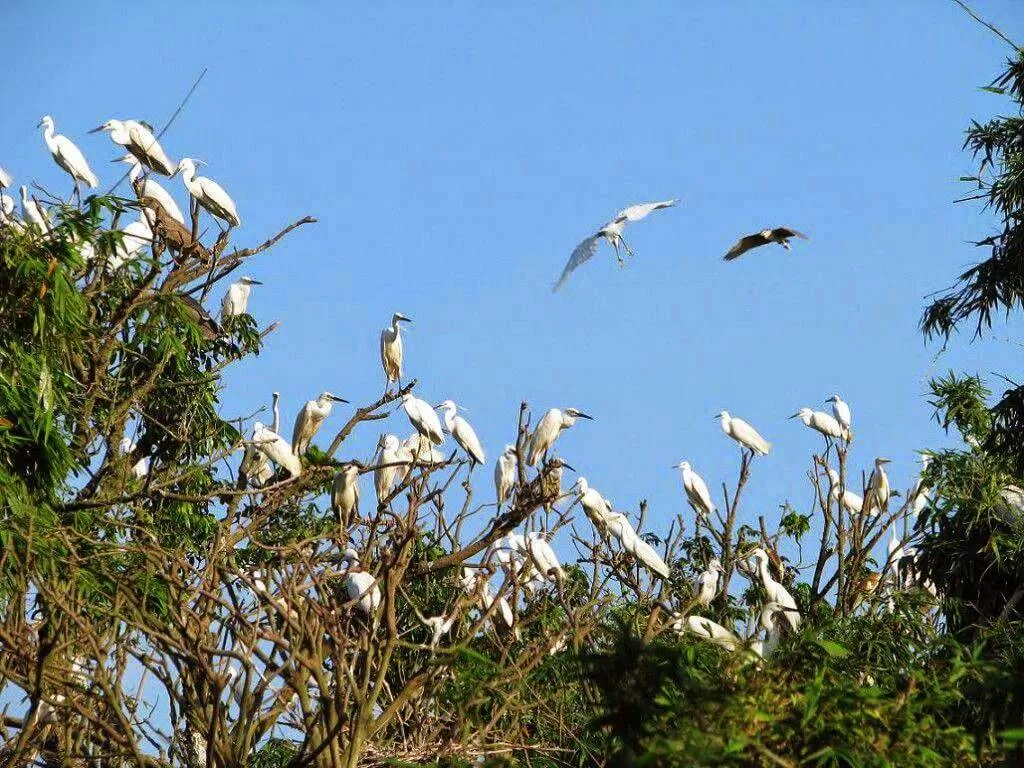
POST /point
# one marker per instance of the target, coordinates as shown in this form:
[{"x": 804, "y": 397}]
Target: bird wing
[
  {"x": 623, "y": 530},
  {"x": 743, "y": 245},
  {"x": 74, "y": 159},
  {"x": 215, "y": 194},
  {"x": 466, "y": 435},
  {"x": 584, "y": 252},
  {"x": 640, "y": 211},
  {"x": 207, "y": 325},
  {"x": 303, "y": 424},
  {"x": 783, "y": 232},
  {"x": 150, "y": 151}
]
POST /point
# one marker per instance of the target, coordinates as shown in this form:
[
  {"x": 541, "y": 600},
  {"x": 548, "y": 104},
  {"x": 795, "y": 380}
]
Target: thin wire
[{"x": 992, "y": 27}]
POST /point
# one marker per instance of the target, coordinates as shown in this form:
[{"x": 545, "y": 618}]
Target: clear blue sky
[{"x": 455, "y": 153}]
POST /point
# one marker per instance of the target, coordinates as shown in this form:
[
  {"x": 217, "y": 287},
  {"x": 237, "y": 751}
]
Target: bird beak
[
  {"x": 583, "y": 415},
  {"x": 569, "y": 466},
  {"x": 794, "y": 415},
  {"x": 97, "y": 129},
  {"x": 406, "y": 319},
  {"x": 437, "y": 406},
  {"x": 256, "y": 282},
  {"x": 39, "y": 124},
  {"x": 885, "y": 461},
  {"x": 337, "y": 399}
]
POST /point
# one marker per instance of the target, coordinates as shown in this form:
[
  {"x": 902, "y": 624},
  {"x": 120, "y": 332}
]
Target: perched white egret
[
  {"x": 705, "y": 588},
  {"x": 276, "y": 449},
  {"x": 421, "y": 450},
  {"x": 876, "y": 498},
  {"x": 775, "y": 591},
  {"x": 543, "y": 556},
  {"x": 308, "y": 422},
  {"x": 439, "y": 626},
  {"x": 744, "y": 434},
  {"x": 600, "y": 512},
  {"x": 146, "y": 187},
  {"x": 391, "y": 348},
  {"x": 920, "y": 494},
  {"x": 6, "y": 180},
  {"x": 134, "y": 240},
  {"x": 548, "y": 429},
  {"x": 67, "y": 155},
  {"x": 821, "y": 422},
  {"x": 138, "y": 138},
  {"x": 612, "y": 232},
  {"x": 463, "y": 433},
  {"x": 896, "y": 555},
  {"x": 7, "y": 216},
  {"x": 345, "y": 494},
  {"x": 236, "y": 300},
  {"x": 852, "y": 502},
  {"x": 767, "y": 622},
  {"x": 697, "y": 492},
  {"x": 393, "y": 455},
  {"x": 255, "y": 462},
  {"x": 504, "y": 612},
  {"x": 141, "y": 467},
  {"x": 505, "y": 474},
  {"x": 709, "y": 630},
  {"x": 780, "y": 235},
  {"x": 513, "y": 556},
  {"x": 33, "y": 212},
  {"x": 208, "y": 193},
  {"x": 423, "y": 418},
  {"x": 841, "y": 410},
  {"x": 360, "y": 586}
]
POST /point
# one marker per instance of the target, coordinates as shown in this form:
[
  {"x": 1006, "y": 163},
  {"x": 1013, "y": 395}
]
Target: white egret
[
  {"x": 208, "y": 193},
  {"x": 345, "y": 494},
  {"x": 709, "y": 630},
  {"x": 276, "y": 448},
  {"x": 421, "y": 450},
  {"x": 391, "y": 348},
  {"x": 439, "y": 626},
  {"x": 504, "y": 612},
  {"x": 463, "y": 433},
  {"x": 821, "y": 422},
  {"x": 308, "y": 422},
  {"x": 841, "y": 410},
  {"x": 780, "y": 235},
  {"x": 33, "y": 212},
  {"x": 134, "y": 239},
  {"x": 256, "y": 464},
  {"x": 505, "y": 474},
  {"x": 600, "y": 512},
  {"x": 852, "y": 502},
  {"x": 920, "y": 494},
  {"x": 513, "y": 556},
  {"x": 423, "y": 418},
  {"x": 705, "y": 588},
  {"x": 6, "y": 180},
  {"x": 767, "y": 622},
  {"x": 896, "y": 555},
  {"x": 360, "y": 586},
  {"x": 391, "y": 472},
  {"x": 744, "y": 434},
  {"x": 775, "y": 591},
  {"x": 236, "y": 300},
  {"x": 7, "y": 210},
  {"x": 67, "y": 155},
  {"x": 612, "y": 232},
  {"x": 141, "y": 467},
  {"x": 548, "y": 429},
  {"x": 146, "y": 187},
  {"x": 138, "y": 138},
  {"x": 543, "y": 556},
  {"x": 876, "y": 498},
  {"x": 697, "y": 492}
]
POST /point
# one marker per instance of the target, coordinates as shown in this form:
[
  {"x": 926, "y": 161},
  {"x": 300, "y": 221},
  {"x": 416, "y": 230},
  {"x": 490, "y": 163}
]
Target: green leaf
[{"x": 834, "y": 649}]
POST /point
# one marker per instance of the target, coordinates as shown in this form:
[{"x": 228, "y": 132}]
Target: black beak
[
  {"x": 97, "y": 129},
  {"x": 583, "y": 415},
  {"x": 337, "y": 399},
  {"x": 568, "y": 466}
]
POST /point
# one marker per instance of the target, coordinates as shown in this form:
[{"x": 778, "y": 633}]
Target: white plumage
[
  {"x": 236, "y": 299},
  {"x": 548, "y": 429},
  {"x": 705, "y": 588},
  {"x": 308, "y": 422},
  {"x": 851, "y": 502},
  {"x": 385, "y": 477},
  {"x": 5, "y": 178},
  {"x": 141, "y": 467},
  {"x": 744, "y": 434},
  {"x": 360, "y": 586},
  {"x": 543, "y": 556},
  {"x": 208, "y": 193},
  {"x": 67, "y": 155},
  {"x": 33, "y": 212},
  {"x": 134, "y": 136},
  {"x": 697, "y": 492},
  {"x": 146, "y": 187},
  {"x": 876, "y": 499},
  {"x": 505, "y": 474},
  {"x": 841, "y": 411},
  {"x": 709, "y": 630},
  {"x": 423, "y": 418},
  {"x": 463, "y": 433},
  {"x": 345, "y": 493},
  {"x": 821, "y": 422},
  {"x": 135, "y": 238},
  {"x": 775, "y": 591},
  {"x": 391, "y": 347},
  {"x": 276, "y": 449}
]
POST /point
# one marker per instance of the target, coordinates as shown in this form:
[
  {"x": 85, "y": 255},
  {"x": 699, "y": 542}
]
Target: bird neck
[{"x": 49, "y": 138}]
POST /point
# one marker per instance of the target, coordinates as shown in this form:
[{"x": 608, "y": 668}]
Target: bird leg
[
  {"x": 615, "y": 244},
  {"x": 628, "y": 249}
]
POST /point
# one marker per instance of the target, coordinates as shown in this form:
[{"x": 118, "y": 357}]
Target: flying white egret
[
  {"x": 134, "y": 239},
  {"x": 255, "y": 463},
  {"x": 600, "y": 512},
  {"x": 208, "y": 193},
  {"x": 33, "y": 212},
  {"x": 612, "y": 232},
  {"x": 548, "y": 429},
  {"x": 390, "y": 472},
  {"x": 5, "y": 179},
  {"x": 852, "y": 502},
  {"x": 775, "y": 591},
  {"x": 697, "y": 492},
  {"x": 744, "y": 434},
  {"x": 276, "y": 449},
  {"x": 391, "y": 348},
  {"x": 138, "y": 138},
  {"x": 423, "y": 418},
  {"x": 141, "y": 467},
  {"x": 705, "y": 588},
  {"x": 780, "y": 235},
  {"x": 709, "y": 630},
  {"x": 463, "y": 433},
  {"x": 360, "y": 586},
  {"x": 146, "y": 187},
  {"x": 505, "y": 474},
  {"x": 67, "y": 155},
  {"x": 876, "y": 498},
  {"x": 543, "y": 556},
  {"x": 841, "y": 410},
  {"x": 308, "y": 422},
  {"x": 345, "y": 494},
  {"x": 821, "y": 422},
  {"x": 236, "y": 300}
]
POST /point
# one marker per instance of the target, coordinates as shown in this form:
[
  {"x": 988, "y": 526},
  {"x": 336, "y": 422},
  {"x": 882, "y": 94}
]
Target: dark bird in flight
[{"x": 780, "y": 235}]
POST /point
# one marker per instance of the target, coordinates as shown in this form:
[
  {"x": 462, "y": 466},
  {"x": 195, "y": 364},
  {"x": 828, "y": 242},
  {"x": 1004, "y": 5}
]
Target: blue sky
[{"x": 455, "y": 153}]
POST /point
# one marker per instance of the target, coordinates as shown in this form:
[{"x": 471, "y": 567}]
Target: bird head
[
  {"x": 407, "y": 397},
  {"x": 722, "y": 416},
  {"x": 882, "y": 461},
  {"x": 128, "y": 159},
  {"x": 45, "y": 122},
  {"x": 277, "y": 396},
  {"x": 110, "y": 125},
  {"x": 249, "y": 281},
  {"x": 758, "y": 554},
  {"x": 350, "y": 557},
  {"x": 449, "y": 405},
  {"x": 804, "y": 414},
  {"x": 257, "y": 427},
  {"x": 578, "y": 414},
  {"x": 715, "y": 565},
  {"x": 833, "y": 399},
  {"x": 330, "y": 396},
  {"x": 580, "y": 486},
  {"x": 682, "y": 466},
  {"x": 399, "y": 317},
  {"x": 559, "y": 463}
]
